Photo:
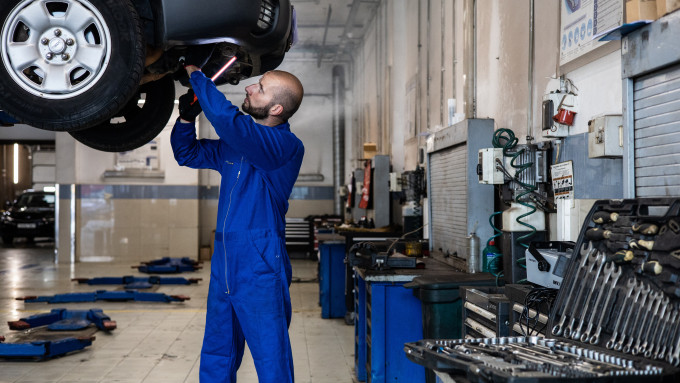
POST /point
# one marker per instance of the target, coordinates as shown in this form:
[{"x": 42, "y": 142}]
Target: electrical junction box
[
  {"x": 551, "y": 105},
  {"x": 557, "y": 258},
  {"x": 486, "y": 166},
  {"x": 395, "y": 184},
  {"x": 605, "y": 136}
]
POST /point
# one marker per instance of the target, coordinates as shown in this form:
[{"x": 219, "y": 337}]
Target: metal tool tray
[{"x": 616, "y": 317}]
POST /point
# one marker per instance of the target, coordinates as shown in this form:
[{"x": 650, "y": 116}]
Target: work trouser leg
[
  {"x": 223, "y": 341},
  {"x": 265, "y": 321},
  {"x": 262, "y": 303}
]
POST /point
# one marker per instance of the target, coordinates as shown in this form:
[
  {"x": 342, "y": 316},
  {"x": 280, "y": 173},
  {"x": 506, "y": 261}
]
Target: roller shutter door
[
  {"x": 448, "y": 199},
  {"x": 657, "y": 133}
]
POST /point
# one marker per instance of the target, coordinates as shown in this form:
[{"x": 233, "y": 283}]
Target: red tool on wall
[{"x": 366, "y": 190}]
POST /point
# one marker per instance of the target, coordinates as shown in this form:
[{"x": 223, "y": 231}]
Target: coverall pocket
[{"x": 268, "y": 249}]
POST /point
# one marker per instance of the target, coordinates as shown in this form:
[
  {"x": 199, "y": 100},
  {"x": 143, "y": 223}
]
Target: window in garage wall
[{"x": 8, "y": 189}]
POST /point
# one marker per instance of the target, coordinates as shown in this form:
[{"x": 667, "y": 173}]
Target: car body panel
[{"x": 188, "y": 23}]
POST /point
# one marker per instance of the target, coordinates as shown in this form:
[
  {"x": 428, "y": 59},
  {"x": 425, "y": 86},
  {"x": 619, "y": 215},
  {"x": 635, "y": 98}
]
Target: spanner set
[{"x": 616, "y": 316}]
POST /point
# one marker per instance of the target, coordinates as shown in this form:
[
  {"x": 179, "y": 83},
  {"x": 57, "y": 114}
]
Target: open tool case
[{"x": 616, "y": 317}]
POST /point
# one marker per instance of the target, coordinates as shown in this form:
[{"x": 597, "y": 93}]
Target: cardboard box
[
  {"x": 370, "y": 150},
  {"x": 640, "y": 10},
  {"x": 660, "y": 8},
  {"x": 672, "y": 5}
]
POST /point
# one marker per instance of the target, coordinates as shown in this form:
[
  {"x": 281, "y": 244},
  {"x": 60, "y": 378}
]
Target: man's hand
[{"x": 189, "y": 107}]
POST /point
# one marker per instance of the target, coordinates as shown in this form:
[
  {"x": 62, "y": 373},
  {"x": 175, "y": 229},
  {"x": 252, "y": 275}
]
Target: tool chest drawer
[
  {"x": 485, "y": 312},
  {"x": 616, "y": 317}
]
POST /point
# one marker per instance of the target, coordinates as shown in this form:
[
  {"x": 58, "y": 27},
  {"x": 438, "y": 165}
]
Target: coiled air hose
[
  {"x": 505, "y": 139},
  {"x": 495, "y": 266}
]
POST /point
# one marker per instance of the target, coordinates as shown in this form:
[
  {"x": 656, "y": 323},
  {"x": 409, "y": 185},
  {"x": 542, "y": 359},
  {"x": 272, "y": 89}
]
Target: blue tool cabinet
[
  {"x": 332, "y": 279},
  {"x": 388, "y": 315},
  {"x": 360, "y": 328}
]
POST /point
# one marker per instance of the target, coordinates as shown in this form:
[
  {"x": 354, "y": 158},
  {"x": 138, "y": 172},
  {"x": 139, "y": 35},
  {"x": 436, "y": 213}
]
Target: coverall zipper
[{"x": 224, "y": 225}]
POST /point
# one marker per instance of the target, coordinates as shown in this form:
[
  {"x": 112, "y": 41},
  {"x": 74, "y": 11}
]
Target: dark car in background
[
  {"x": 30, "y": 216},
  {"x": 105, "y": 71}
]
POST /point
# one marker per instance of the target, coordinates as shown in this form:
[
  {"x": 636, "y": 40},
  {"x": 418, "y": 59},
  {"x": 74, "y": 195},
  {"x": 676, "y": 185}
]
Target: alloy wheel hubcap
[{"x": 55, "y": 49}]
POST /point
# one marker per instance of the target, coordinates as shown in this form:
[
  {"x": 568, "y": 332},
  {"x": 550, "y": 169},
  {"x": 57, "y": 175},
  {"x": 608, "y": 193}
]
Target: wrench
[
  {"x": 660, "y": 332},
  {"x": 673, "y": 356},
  {"x": 631, "y": 287},
  {"x": 600, "y": 257},
  {"x": 585, "y": 254},
  {"x": 652, "y": 308},
  {"x": 648, "y": 344},
  {"x": 595, "y": 339},
  {"x": 668, "y": 331},
  {"x": 592, "y": 261},
  {"x": 640, "y": 306}
]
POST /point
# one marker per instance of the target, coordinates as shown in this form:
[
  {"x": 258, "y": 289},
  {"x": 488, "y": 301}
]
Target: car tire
[
  {"x": 95, "y": 67},
  {"x": 7, "y": 239},
  {"x": 142, "y": 123}
]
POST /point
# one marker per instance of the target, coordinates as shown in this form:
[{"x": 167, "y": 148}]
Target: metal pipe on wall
[
  {"x": 470, "y": 66},
  {"x": 338, "y": 134},
  {"x": 474, "y": 55},
  {"x": 530, "y": 107}
]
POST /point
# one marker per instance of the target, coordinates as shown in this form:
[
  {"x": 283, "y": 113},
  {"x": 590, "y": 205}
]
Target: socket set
[
  {"x": 616, "y": 316},
  {"x": 527, "y": 359}
]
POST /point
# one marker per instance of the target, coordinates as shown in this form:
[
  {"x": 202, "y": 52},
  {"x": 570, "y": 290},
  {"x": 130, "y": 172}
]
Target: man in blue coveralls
[{"x": 259, "y": 160}]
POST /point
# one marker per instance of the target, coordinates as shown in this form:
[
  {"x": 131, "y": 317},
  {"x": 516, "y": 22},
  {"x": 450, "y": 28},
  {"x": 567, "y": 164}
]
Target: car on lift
[
  {"x": 105, "y": 70},
  {"x": 31, "y": 215}
]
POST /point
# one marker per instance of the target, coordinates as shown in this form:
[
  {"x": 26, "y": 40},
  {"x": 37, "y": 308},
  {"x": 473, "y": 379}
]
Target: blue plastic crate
[{"x": 332, "y": 279}]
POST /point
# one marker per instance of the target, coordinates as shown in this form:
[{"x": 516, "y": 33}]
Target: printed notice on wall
[
  {"x": 145, "y": 157},
  {"x": 563, "y": 180},
  {"x": 581, "y": 21}
]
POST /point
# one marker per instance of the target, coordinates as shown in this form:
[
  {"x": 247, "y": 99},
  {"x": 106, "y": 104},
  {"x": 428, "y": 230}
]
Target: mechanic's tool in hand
[
  {"x": 224, "y": 68},
  {"x": 189, "y": 107},
  {"x": 198, "y": 55},
  {"x": 218, "y": 74}
]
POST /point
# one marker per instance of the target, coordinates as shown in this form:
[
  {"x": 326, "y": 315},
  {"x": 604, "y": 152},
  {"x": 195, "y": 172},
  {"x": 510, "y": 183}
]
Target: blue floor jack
[
  {"x": 167, "y": 265},
  {"x": 131, "y": 282},
  {"x": 104, "y": 295},
  {"x": 65, "y": 320},
  {"x": 53, "y": 334}
]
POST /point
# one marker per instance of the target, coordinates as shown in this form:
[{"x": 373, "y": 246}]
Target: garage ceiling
[{"x": 328, "y": 29}]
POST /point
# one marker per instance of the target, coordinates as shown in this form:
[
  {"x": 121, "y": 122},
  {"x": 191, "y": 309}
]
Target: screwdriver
[
  {"x": 621, "y": 256},
  {"x": 641, "y": 244},
  {"x": 652, "y": 267},
  {"x": 645, "y": 228},
  {"x": 597, "y": 234},
  {"x": 605, "y": 217}
]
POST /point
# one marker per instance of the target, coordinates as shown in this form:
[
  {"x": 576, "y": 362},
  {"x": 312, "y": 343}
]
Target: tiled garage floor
[{"x": 157, "y": 342}]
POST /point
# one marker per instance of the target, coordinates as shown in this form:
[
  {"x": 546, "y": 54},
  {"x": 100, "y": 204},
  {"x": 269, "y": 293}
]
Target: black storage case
[{"x": 627, "y": 287}]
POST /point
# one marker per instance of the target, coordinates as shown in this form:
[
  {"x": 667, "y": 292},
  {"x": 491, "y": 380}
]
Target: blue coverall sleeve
[
  {"x": 265, "y": 147},
  {"x": 188, "y": 151}
]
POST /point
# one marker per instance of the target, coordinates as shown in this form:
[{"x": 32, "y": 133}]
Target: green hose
[{"x": 505, "y": 138}]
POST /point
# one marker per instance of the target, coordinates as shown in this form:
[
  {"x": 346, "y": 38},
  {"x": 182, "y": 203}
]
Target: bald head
[{"x": 288, "y": 92}]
